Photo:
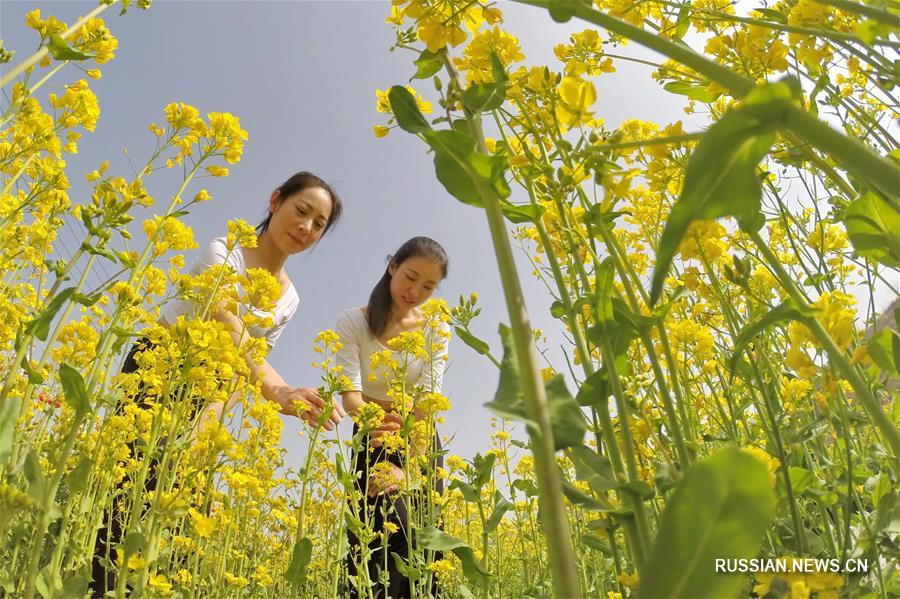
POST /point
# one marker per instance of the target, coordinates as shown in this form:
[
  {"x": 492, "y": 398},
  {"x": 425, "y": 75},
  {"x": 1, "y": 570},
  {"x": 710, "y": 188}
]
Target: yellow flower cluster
[
  {"x": 77, "y": 106},
  {"x": 584, "y": 56},
  {"x": 167, "y": 233}
]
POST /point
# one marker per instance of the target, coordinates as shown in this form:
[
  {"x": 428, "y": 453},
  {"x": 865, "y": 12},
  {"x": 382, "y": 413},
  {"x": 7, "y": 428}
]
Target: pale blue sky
[{"x": 302, "y": 76}]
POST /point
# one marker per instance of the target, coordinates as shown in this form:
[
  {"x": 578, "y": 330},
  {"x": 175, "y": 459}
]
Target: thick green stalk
[
  {"x": 855, "y": 156},
  {"x": 555, "y": 524}
]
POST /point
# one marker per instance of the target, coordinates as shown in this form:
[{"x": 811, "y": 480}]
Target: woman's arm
[{"x": 273, "y": 386}]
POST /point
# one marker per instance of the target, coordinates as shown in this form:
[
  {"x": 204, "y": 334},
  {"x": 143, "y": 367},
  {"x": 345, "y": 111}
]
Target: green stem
[
  {"x": 858, "y": 8},
  {"x": 37, "y": 56},
  {"x": 556, "y": 526},
  {"x": 835, "y": 354},
  {"x": 854, "y": 155}
]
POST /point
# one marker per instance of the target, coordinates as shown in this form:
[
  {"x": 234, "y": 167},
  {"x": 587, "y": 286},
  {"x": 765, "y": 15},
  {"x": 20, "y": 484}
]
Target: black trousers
[{"x": 385, "y": 507}]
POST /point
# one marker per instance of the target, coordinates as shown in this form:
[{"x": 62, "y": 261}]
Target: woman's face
[
  {"x": 299, "y": 221},
  {"x": 413, "y": 281}
]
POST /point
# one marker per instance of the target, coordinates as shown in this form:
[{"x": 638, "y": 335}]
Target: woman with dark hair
[
  {"x": 412, "y": 275},
  {"x": 300, "y": 211}
]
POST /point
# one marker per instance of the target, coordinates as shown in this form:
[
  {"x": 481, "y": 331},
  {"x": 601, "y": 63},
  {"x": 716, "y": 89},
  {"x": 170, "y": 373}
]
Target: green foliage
[
  {"x": 784, "y": 312},
  {"x": 297, "y": 570},
  {"x": 437, "y": 540},
  {"x": 566, "y": 419},
  {"x": 720, "y": 510},
  {"x": 721, "y": 178},
  {"x": 873, "y": 226}
]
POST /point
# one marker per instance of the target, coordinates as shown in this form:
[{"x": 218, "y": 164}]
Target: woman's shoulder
[
  {"x": 355, "y": 317},
  {"x": 217, "y": 252}
]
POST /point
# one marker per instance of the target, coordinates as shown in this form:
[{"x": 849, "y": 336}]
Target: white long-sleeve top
[{"x": 358, "y": 345}]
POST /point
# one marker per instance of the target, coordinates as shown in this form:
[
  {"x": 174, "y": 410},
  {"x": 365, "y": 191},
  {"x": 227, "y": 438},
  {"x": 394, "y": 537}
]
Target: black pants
[
  {"x": 385, "y": 507},
  {"x": 110, "y": 534}
]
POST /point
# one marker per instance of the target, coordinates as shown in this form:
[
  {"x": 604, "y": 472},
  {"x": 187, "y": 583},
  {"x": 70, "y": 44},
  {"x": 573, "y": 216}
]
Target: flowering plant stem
[
  {"x": 835, "y": 354},
  {"x": 556, "y": 526},
  {"x": 854, "y": 155},
  {"x": 37, "y": 56}
]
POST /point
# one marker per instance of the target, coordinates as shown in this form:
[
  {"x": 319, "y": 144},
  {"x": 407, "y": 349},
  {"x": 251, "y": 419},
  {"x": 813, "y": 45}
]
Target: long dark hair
[
  {"x": 380, "y": 299},
  {"x": 297, "y": 183}
]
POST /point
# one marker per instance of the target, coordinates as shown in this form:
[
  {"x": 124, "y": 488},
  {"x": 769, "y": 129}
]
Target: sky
[{"x": 301, "y": 76}]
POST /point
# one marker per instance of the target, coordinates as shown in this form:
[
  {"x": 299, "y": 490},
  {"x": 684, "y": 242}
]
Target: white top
[
  {"x": 356, "y": 354},
  {"x": 217, "y": 253}
]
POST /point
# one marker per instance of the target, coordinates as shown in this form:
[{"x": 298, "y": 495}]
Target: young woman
[
  {"x": 300, "y": 211},
  {"x": 412, "y": 275}
]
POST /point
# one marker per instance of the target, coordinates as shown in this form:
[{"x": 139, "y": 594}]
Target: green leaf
[
  {"x": 720, "y": 510},
  {"x": 60, "y": 50},
  {"x": 40, "y": 326},
  {"x": 566, "y": 419},
  {"x": 641, "y": 488},
  {"x": 683, "y": 24},
  {"x": 887, "y": 516},
  {"x": 594, "y": 390},
  {"x": 438, "y": 540},
  {"x": 593, "y": 468},
  {"x": 134, "y": 543},
  {"x": 694, "y": 92},
  {"x": 720, "y": 179},
  {"x": 579, "y": 498},
  {"x": 77, "y": 479},
  {"x": 484, "y": 468},
  {"x": 452, "y": 150},
  {"x": 784, "y": 312},
  {"x": 884, "y": 349},
  {"x": 461, "y": 168},
  {"x": 594, "y": 542},
  {"x": 468, "y": 491},
  {"x": 49, "y": 583},
  {"x": 519, "y": 214},
  {"x": 296, "y": 572},
  {"x": 482, "y": 97},
  {"x": 37, "y": 484},
  {"x": 873, "y": 226},
  {"x": 428, "y": 63},
  {"x": 464, "y": 592},
  {"x": 498, "y": 70},
  {"x": 472, "y": 341},
  {"x": 74, "y": 389},
  {"x": 501, "y": 506},
  {"x": 485, "y": 96},
  {"x": 75, "y": 587},
  {"x": 801, "y": 479},
  {"x": 404, "y": 568},
  {"x": 406, "y": 110},
  {"x": 34, "y": 377},
  {"x": 507, "y": 401}
]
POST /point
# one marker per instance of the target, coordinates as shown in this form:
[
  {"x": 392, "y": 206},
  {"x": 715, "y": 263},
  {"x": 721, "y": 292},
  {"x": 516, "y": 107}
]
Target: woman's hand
[
  {"x": 388, "y": 482},
  {"x": 391, "y": 424},
  {"x": 294, "y": 401}
]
